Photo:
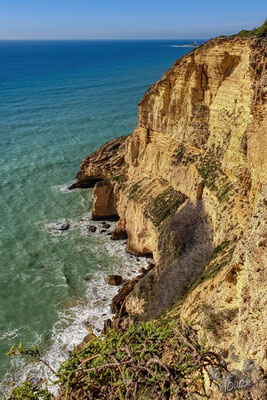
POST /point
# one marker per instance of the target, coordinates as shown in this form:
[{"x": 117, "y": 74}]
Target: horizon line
[{"x": 98, "y": 39}]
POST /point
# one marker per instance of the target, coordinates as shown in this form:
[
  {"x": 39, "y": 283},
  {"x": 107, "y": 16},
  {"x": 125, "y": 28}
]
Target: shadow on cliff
[{"x": 184, "y": 246}]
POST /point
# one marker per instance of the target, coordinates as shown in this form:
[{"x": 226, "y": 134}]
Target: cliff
[{"x": 188, "y": 187}]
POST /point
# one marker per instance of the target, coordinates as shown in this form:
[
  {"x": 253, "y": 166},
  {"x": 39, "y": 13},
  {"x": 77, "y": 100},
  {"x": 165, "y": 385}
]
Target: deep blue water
[{"x": 59, "y": 101}]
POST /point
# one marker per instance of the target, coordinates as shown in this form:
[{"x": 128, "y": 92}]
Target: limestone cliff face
[{"x": 186, "y": 184}]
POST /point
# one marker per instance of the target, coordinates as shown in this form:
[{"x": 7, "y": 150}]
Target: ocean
[{"x": 60, "y": 101}]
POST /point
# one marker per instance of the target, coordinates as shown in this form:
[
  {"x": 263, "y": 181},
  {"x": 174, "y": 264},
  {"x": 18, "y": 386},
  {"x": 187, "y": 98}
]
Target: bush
[
  {"x": 156, "y": 359},
  {"x": 258, "y": 32}
]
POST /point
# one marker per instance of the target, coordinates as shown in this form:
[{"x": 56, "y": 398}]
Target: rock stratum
[{"x": 188, "y": 186}]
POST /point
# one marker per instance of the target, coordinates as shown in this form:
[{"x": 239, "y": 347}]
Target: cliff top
[{"x": 261, "y": 31}]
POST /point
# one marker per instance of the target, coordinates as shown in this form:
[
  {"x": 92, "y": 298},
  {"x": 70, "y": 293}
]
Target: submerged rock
[
  {"x": 92, "y": 228},
  {"x": 88, "y": 277},
  {"x": 64, "y": 226}
]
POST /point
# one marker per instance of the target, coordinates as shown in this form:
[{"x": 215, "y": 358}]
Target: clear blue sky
[{"x": 127, "y": 19}]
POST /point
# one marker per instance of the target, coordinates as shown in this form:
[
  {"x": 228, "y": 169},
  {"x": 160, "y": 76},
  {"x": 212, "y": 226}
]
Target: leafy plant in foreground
[{"x": 153, "y": 360}]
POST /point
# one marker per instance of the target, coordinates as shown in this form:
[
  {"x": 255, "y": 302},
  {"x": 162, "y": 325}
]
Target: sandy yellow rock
[{"x": 201, "y": 134}]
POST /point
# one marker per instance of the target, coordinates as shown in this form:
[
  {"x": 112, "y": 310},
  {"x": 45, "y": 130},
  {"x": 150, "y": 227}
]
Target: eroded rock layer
[{"x": 188, "y": 187}]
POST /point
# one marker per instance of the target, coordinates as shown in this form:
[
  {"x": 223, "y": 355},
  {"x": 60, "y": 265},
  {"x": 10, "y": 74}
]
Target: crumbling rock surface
[{"x": 188, "y": 187}]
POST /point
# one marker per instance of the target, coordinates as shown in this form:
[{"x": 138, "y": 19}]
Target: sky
[{"x": 127, "y": 19}]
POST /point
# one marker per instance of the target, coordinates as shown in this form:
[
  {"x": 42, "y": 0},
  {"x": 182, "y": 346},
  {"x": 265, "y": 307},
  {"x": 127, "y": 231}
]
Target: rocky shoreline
[
  {"x": 120, "y": 319},
  {"x": 188, "y": 189},
  {"x": 185, "y": 186}
]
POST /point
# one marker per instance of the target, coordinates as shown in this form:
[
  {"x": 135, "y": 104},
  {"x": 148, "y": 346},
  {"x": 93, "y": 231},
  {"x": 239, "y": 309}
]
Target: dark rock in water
[
  {"x": 88, "y": 277},
  {"x": 115, "y": 280},
  {"x": 149, "y": 256},
  {"x": 142, "y": 270},
  {"x": 150, "y": 266},
  {"x": 64, "y": 227},
  {"x": 119, "y": 234},
  {"x": 73, "y": 186},
  {"x": 92, "y": 228},
  {"x": 118, "y": 300},
  {"x": 106, "y": 225},
  {"x": 83, "y": 182},
  {"x": 103, "y": 231},
  {"x": 98, "y": 303}
]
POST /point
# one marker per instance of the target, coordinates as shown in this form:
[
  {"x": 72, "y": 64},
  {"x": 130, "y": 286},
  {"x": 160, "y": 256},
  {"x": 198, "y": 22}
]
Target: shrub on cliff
[
  {"x": 261, "y": 31},
  {"x": 152, "y": 360}
]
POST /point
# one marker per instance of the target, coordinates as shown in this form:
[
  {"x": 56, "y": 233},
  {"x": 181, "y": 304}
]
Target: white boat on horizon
[{"x": 195, "y": 44}]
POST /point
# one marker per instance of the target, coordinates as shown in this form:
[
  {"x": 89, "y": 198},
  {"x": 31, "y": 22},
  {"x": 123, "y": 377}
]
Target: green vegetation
[
  {"x": 262, "y": 30},
  {"x": 29, "y": 391},
  {"x": 156, "y": 359},
  {"x": 258, "y": 32},
  {"x": 221, "y": 256},
  {"x": 135, "y": 191},
  {"x": 103, "y": 182},
  {"x": 223, "y": 192},
  {"x": 243, "y": 33},
  {"x": 164, "y": 206},
  {"x": 218, "y": 250},
  {"x": 209, "y": 169},
  {"x": 180, "y": 156},
  {"x": 33, "y": 353},
  {"x": 214, "y": 320},
  {"x": 118, "y": 178}
]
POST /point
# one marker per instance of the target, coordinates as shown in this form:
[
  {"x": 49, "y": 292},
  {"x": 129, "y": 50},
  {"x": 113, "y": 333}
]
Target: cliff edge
[{"x": 188, "y": 188}]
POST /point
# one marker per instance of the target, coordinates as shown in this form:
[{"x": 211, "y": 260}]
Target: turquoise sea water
[{"x": 59, "y": 101}]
